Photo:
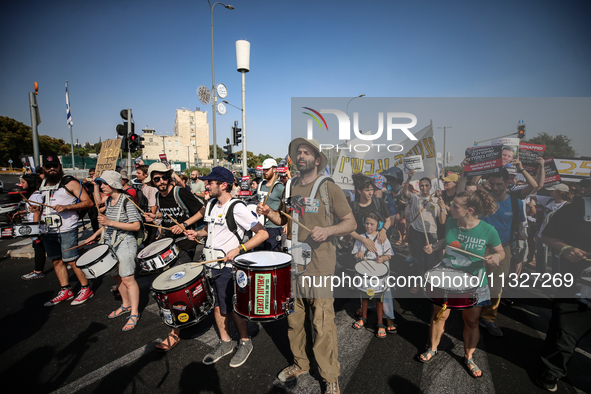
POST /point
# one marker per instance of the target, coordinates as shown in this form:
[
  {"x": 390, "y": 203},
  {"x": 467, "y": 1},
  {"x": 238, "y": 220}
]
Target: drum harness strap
[
  {"x": 261, "y": 194},
  {"x": 114, "y": 235},
  {"x": 210, "y": 252},
  {"x": 54, "y": 220}
]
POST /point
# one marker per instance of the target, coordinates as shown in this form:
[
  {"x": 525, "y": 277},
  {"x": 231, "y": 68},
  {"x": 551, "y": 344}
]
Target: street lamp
[
  {"x": 213, "y": 92},
  {"x": 232, "y": 105},
  {"x": 347, "y": 111},
  {"x": 346, "y": 141},
  {"x": 444, "y": 151}
]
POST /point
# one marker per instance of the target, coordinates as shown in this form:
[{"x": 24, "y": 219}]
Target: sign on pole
[{"x": 108, "y": 157}]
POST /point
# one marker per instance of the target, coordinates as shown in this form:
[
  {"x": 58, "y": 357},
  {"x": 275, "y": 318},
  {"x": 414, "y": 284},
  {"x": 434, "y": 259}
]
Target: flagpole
[{"x": 69, "y": 121}]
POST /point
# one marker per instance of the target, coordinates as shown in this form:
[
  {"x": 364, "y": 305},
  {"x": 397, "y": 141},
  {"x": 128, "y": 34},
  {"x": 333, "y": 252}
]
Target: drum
[
  {"x": 253, "y": 208},
  {"x": 262, "y": 286},
  {"x": 26, "y": 229},
  {"x": 97, "y": 261},
  {"x": 158, "y": 256},
  {"x": 183, "y": 294},
  {"x": 456, "y": 288},
  {"x": 372, "y": 277}
]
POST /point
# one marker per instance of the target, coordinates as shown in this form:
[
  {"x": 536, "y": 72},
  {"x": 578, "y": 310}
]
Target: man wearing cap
[
  {"x": 273, "y": 243},
  {"x": 227, "y": 242},
  {"x": 568, "y": 234},
  {"x": 67, "y": 196},
  {"x": 147, "y": 201},
  {"x": 317, "y": 213}
]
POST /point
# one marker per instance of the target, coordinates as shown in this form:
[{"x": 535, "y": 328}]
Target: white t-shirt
[
  {"x": 37, "y": 197},
  {"x": 224, "y": 239},
  {"x": 430, "y": 213}
]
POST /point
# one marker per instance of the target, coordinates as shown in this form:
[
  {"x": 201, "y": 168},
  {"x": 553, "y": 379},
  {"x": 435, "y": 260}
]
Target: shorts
[
  {"x": 483, "y": 294},
  {"x": 126, "y": 252},
  {"x": 223, "y": 288},
  {"x": 56, "y": 245}
]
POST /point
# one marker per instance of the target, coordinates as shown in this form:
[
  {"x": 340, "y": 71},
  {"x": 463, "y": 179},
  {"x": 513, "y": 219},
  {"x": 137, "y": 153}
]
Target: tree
[
  {"x": 557, "y": 146},
  {"x": 220, "y": 152},
  {"x": 16, "y": 140}
]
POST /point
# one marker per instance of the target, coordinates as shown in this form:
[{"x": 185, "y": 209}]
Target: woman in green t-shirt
[{"x": 475, "y": 236}]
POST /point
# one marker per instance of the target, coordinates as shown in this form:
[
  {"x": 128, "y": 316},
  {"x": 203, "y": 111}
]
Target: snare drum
[
  {"x": 253, "y": 208},
  {"x": 97, "y": 261},
  {"x": 262, "y": 286},
  {"x": 158, "y": 256},
  {"x": 183, "y": 294},
  {"x": 456, "y": 288},
  {"x": 371, "y": 277},
  {"x": 26, "y": 229}
]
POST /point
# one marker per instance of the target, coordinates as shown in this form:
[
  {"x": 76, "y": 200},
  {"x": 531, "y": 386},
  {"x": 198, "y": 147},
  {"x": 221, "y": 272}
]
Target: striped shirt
[{"x": 129, "y": 214}]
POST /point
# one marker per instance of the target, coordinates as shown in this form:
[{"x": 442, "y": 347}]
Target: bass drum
[
  {"x": 450, "y": 286},
  {"x": 183, "y": 294}
]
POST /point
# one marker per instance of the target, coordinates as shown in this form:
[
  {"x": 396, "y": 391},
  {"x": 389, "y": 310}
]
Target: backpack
[
  {"x": 67, "y": 179},
  {"x": 230, "y": 221}
]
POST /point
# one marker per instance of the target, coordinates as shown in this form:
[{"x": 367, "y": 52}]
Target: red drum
[
  {"x": 262, "y": 286},
  {"x": 158, "y": 256},
  {"x": 183, "y": 294},
  {"x": 451, "y": 286}
]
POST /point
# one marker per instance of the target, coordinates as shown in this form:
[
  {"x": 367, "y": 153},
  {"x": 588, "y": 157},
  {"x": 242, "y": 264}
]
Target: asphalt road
[{"x": 77, "y": 349}]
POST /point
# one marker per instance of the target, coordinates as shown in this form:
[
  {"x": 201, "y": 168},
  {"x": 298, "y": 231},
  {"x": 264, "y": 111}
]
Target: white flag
[{"x": 68, "y": 114}]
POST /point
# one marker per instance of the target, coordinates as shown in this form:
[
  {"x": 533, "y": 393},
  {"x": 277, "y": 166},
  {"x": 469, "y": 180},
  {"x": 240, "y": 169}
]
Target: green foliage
[
  {"x": 557, "y": 146},
  {"x": 457, "y": 169},
  {"x": 16, "y": 140},
  {"x": 202, "y": 171}
]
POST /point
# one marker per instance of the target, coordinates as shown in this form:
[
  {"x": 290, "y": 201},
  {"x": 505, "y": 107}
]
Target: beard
[
  {"x": 306, "y": 167},
  {"x": 54, "y": 178}
]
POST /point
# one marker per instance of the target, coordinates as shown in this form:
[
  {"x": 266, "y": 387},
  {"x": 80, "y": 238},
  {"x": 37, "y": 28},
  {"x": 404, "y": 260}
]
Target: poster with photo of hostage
[
  {"x": 528, "y": 153},
  {"x": 552, "y": 175},
  {"x": 510, "y": 152},
  {"x": 483, "y": 160}
]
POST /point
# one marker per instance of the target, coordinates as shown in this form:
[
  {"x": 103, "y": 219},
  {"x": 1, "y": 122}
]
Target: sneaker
[
  {"x": 332, "y": 388},
  {"x": 242, "y": 352},
  {"x": 492, "y": 328},
  {"x": 33, "y": 275},
  {"x": 290, "y": 373},
  {"x": 221, "y": 349},
  {"x": 63, "y": 295},
  {"x": 547, "y": 381},
  {"x": 84, "y": 294}
]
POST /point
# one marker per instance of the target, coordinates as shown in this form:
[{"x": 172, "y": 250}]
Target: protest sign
[
  {"x": 528, "y": 153},
  {"x": 245, "y": 186},
  {"x": 483, "y": 160},
  {"x": 552, "y": 175},
  {"x": 510, "y": 151},
  {"x": 413, "y": 163},
  {"x": 258, "y": 173},
  {"x": 573, "y": 169},
  {"x": 163, "y": 159},
  {"x": 108, "y": 156}
]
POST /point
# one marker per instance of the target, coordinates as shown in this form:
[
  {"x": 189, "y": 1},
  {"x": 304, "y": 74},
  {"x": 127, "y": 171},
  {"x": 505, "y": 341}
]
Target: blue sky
[{"x": 152, "y": 55}]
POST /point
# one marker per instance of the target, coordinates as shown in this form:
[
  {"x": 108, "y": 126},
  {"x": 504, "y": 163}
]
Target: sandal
[
  {"x": 166, "y": 344},
  {"x": 358, "y": 326},
  {"x": 391, "y": 328},
  {"x": 470, "y": 363},
  {"x": 428, "y": 356},
  {"x": 383, "y": 332},
  {"x": 359, "y": 313},
  {"x": 120, "y": 311},
  {"x": 131, "y": 324}
]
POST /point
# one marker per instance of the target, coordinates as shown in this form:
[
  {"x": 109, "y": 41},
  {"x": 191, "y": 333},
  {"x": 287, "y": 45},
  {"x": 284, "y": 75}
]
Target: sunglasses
[
  {"x": 157, "y": 179},
  {"x": 51, "y": 166}
]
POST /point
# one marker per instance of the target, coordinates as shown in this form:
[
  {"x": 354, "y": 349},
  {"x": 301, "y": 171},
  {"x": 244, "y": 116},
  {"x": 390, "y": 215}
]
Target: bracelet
[
  {"x": 243, "y": 247},
  {"x": 566, "y": 247},
  {"x": 499, "y": 256}
]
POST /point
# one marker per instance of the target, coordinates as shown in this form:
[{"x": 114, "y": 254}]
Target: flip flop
[
  {"x": 119, "y": 311},
  {"x": 165, "y": 345},
  {"x": 358, "y": 326},
  {"x": 133, "y": 322},
  {"x": 391, "y": 328},
  {"x": 470, "y": 363},
  {"x": 378, "y": 332},
  {"x": 429, "y": 352}
]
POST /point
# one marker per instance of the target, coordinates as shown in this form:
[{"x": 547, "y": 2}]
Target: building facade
[{"x": 189, "y": 143}]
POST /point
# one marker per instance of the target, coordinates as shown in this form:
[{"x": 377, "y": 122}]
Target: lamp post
[
  {"x": 345, "y": 143},
  {"x": 444, "y": 151},
  {"x": 243, "y": 66},
  {"x": 213, "y": 92}
]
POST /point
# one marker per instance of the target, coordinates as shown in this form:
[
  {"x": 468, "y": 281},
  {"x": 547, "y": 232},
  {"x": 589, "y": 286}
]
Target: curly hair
[
  {"x": 362, "y": 182},
  {"x": 479, "y": 200}
]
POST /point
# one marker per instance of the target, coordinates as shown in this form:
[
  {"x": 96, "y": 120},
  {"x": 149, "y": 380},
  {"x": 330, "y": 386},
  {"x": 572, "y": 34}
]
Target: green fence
[{"x": 84, "y": 163}]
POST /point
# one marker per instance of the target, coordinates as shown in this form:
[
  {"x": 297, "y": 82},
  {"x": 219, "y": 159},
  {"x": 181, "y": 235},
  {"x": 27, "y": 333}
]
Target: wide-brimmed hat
[
  {"x": 451, "y": 178},
  {"x": 123, "y": 174},
  {"x": 559, "y": 186},
  {"x": 111, "y": 178},
  {"x": 156, "y": 167},
  {"x": 295, "y": 143}
]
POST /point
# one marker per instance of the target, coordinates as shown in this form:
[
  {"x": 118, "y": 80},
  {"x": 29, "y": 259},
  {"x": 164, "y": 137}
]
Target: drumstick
[
  {"x": 178, "y": 224},
  {"x": 300, "y": 224},
  {"x": 423, "y": 220},
  {"x": 209, "y": 261},
  {"x": 369, "y": 266},
  {"x": 464, "y": 251},
  {"x": 34, "y": 202},
  {"x": 79, "y": 246},
  {"x": 133, "y": 202},
  {"x": 271, "y": 189},
  {"x": 153, "y": 225}
]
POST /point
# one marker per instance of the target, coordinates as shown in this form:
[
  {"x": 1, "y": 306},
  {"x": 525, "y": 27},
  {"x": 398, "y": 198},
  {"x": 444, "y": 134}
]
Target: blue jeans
[{"x": 57, "y": 243}]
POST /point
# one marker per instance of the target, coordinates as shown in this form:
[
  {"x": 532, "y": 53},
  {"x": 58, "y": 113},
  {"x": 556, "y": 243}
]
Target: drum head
[
  {"x": 92, "y": 255},
  {"x": 263, "y": 259},
  {"x": 375, "y": 269},
  {"x": 452, "y": 279},
  {"x": 176, "y": 277},
  {"x": 155, "y": 248}
]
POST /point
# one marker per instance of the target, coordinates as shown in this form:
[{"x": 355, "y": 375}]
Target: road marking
[{"x": 100, "y": 373}]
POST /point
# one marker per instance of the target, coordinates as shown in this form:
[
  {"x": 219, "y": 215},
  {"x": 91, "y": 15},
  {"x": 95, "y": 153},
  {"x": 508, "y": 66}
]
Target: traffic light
[
  {"x": 228, "y": 151},
  {"x": 232, "y": 157},
  {"x": 236, "y": 134},
  {"x": 135, "y": 142},
  {"x": 521, "y": 129}
]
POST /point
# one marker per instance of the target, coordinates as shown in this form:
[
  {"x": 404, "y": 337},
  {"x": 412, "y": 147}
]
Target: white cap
[{"x": 268, "y": 163}]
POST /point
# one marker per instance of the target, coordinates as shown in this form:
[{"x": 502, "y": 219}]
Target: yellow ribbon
[{"x": 443, "y": 308}]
